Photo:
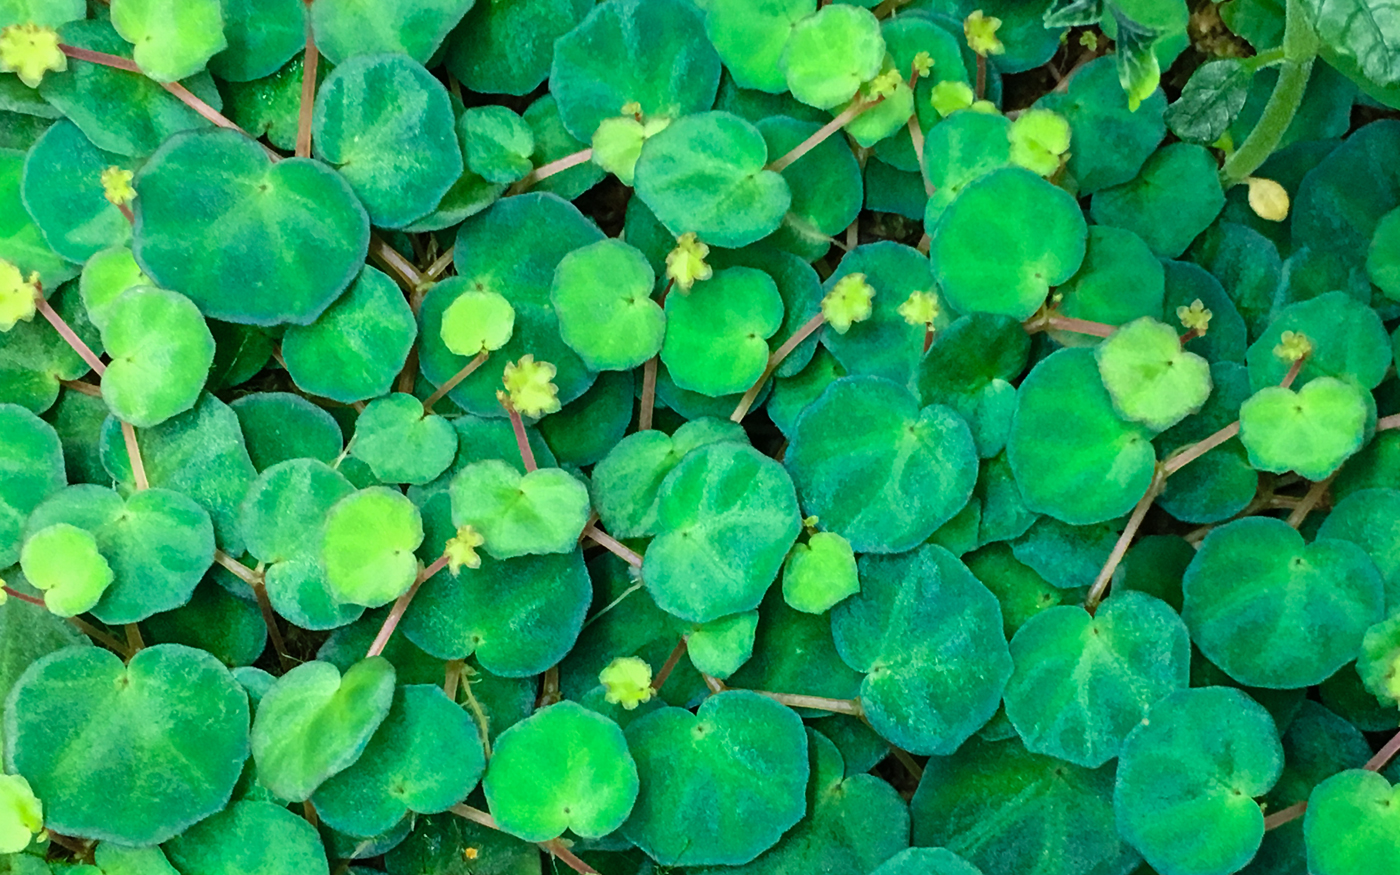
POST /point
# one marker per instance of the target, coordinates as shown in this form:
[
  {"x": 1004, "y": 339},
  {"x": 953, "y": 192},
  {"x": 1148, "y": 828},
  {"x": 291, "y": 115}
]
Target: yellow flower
[
  {"x": 31, "y": 51},
  {"x": 1268, "y": 199},
  {"x": 923, "y": 63},
  {"x": 848, "y": 302},
  {"x": 1293, "y": 346},
  {"x": 21, "y": 814},
  {"x": 461, "y": 549},
  {"x": 1039, "y": 141},
  {"x": 17, "y": 295},
  {"x": 981, "y": 32},
  {"x": 1195, "y": 317},
  {"x": 528, "y": 382},
  {"x": 686, "y": 263},
  {"x": 116, "y": 186},
  {"x": 920, "y": 309},
  {"x": 1089, "y": 40},
  {"x": 627, "y": 682},
  {"x": 883, "y": 85}
]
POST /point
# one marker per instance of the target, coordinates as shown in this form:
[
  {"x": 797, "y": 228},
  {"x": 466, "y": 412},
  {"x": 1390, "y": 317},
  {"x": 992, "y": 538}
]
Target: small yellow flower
[
  {"x": 1268, "y": 199},
  {"x": 632, "y": 108},
  {"x": 18, "y": 295},
  {"x": 686, "y": 263},
  {"x": 920, "y": 309},
  {"x": 470, "y": 853},
  {"x": 883, "y": 85},
  {"x": 1039, "y": 141},
  {"x": 627, "y": 682},
  {"x": 1293, "y": 346},
  {"x": 21, "y": 814},
  {"x": 461, "y": 549},
  {"x": 1195, "y": 317},
  {"x": 116, "y": 186},
  {"x": 528, "y": 382},
  {"x": 848, "y": 302},
  {"x": 31, "y": 51},
  {"x": 981, "y": 32},
  {"x": 1089, "y": 40},
  {"x": 923, "y": 63}
]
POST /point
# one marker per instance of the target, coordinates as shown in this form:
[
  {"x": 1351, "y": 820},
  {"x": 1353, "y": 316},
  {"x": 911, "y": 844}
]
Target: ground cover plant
[{"x": 916, "y": 437}]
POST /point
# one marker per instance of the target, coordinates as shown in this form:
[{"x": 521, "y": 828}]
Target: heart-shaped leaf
[
  {"x": 887, "y": 484},
  {"x": 387, "y": 125},
  {"x": 750, "y": 37},
  {"x": 1134, "y": 651},
  {"x": 1187, "y": 778},
  {"x": 1274, "y": 612},
  {"x": 726, "y": 517},
  {"x": 928, "y": 636},
  {"x": 926, "y": 861},
  {"x": 161, "y": 351},
  {"x": 1006, "y": 239},
  {"x": 63, "y": 561},
  {"x": 247, "y": 240},
  {"x": 1311, "y": 431},
  {"x": 1151, "y": 379},
  {"x": 1174, "y": 198},
  {"x": 1351, "y": 825},
  {"x": 404, "y": 767},
  {"x": 706, "y": 174},
  {"x": 400, "y": 442},
  {"x": 543, "y": 511},
  {"x": 736, "y": 310},
  {"x": 132, "y": 753},
  {"x": 313, "y": 723},
  {"x": 720, "y": 647},
  {"x": 829, "y": 55},
  {"x": 1120, "y": 280},
  {"x": 367, "y": 545},
  {"x": 171, "y": 39},
  {"x": 718, "y": 787},
  {"x": 247, "y": 837},
  {"x": 564, "y": 767},
  {"x": 1073, "y": 456},
  {"x": 262, "y": 36},
  {"x": 602, "y": 294},
  {"x": 158, "y": 543},
  {"x": 820, "y": 573},
  {"x": 279, "y": 426}
]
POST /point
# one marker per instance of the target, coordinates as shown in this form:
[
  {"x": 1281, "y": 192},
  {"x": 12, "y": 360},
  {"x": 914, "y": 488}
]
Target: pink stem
[
  {"x": 391, "y": 622},
  {"x": 67, "y": 333},
  {"x": 801, "y": 334},
  {"x": 527, "y": 456},
  {"x": 856, "y": 108}
]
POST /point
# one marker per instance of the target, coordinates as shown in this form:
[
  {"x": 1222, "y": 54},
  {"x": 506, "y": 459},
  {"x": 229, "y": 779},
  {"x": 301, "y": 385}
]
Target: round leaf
[
  {"x": 31, "y": 469},
  {"x": 248, "y": 837},
  {"x": 1151, "y": 379},
  {"x": 63, "y": 192},
  {"x": 401, "y": 443},
  {"x": 161, "y": 351},
  {"x": 1352, "y": 826},
  {"x": 543, "y": 511},
  {"x": 735, "y": 310},
  {"x": 750, "y": 36},
  {"x": 1173, "y": 199},
  {"x": 132, "y": 753},
  {"x": 1311, "y": 431},
  {"x": 172, "y": 38},
  {"x": 820, "y": 573},
  {"x": 367, "y": 546},
  {"x": 830, "y": 54},
  {"x": 602, "y": 295},
  {"x": 63, "y": 561},
  {"x": 408, "y": 27}
]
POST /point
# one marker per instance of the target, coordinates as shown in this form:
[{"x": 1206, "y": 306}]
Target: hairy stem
[
  {"x": 97, "y": 635},
  {"x": 254, "y": 579},
  {"x": 1385, "y": 754},
  {"x": 14, "y": 593},
  {"x": 857, "y": 107},
  {"x": 558, "y": 165},
  {"x": 308, "y": 91},
  {"x": 1120, "y": 549},
  {"x": 391, "y": 622},
  {"x": 801, "y": 334},
  {"x": 522, "y": 440},
  {"x": 1284, "y": 815},
  {"x": 455, "y": 380},
  {"x": 1388, "y": 422},
  {"x": 1310, "y": 501},
  {"x": 647, "y": 411},
  {"x": 69, "y": 335},
  {"x": 1191, "y": 453},
  {"x": 670, "y": 665},
  {"x": 133, "y": 455},
  {"x": 134, "y": 642},
  {"x": 408, "y": 277},
  {"x": 1068, "y": 323}
]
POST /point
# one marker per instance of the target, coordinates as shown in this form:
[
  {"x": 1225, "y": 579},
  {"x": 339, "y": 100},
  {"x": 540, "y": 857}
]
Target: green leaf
[
  {"x": 1348, "y": 340},
  {"x": 1258, "y": 21},
  {"x": 1361, "y": 31},
  {"x": 107, "y": 274},
  {"x": 736, "y": 310},
  {"x": 1350, "y": 825},
  {"x": 1004, "y": 241},
  {"x": 1119, "y": 281},
  {"x": 1311, "y": 431},
  {"x": 367, "y": 546},
  {"x": 718, "y": 787},
  {"x": 415, "y": 28},
  {"x": 158, "y": 542},
  {"x": 172, "y": 38},
  {"x": 884, "y": 345},
  {"x": 854, "y": 823},
  {"x": 1370, "y": 519},
  {"x": 33, "y": 358},
  {"x": 247, "y": 240},
  {"x": 356, "y": 348},
  {"x": 117, "y": 860},
  {"x": 651, "y": 52},
  {"x": 505, "y": 46},
  {"x": 820, "y": 573},
  {"x": 727, "y": 516},
  {"x": 1073, "y": 456},
  {"x": 262, "y": 36},
  {"x": 584, "y": 430},
  {"x": 400, "y": 442},
  {"x": 247, "y": 838},
  {"x": 63, "y": 193},
  {"x": 960, "y": 150},
  {"x": 720, "y": 647},
  {"x": 46, "y": 13},
  {"x": 1134, "y": 651},
  {"x": 425, "y": 757},
  {"x": 830, "y": 54},
  {"x": 543, "y": 511},
  {"x": 278, "y": 426},
  {"x": 926, "y": 861},
  {"x": 1213, "y": 96},
  {"x": 161, "y": 351},
  {"x": 795, "y": 651},
  {"x": 1275, "y": 613},
  {"x": 602, "y": 295},
  {"x": 887, "y": 484},
  {"x": 387, "y": 125},
  {"x": 497, "y": 142},
  {"x": 21, "y": 241},
  {"x": 1382, "y": 262},
  {"x": 563, "y": 768},
  {"x": 1022, "y": 593},
  {"x": 627, "y": 481},
  {"x": 232, "y": 629},
  {"x": 1150, "y": 378},
  {"x": 706, "y": 173},
  {"x": 750, "y": 36},
  {"x": 313, "y": 723},
  {"x": 929, "y": 637},
  {"x": 1006, "y": 810},
  {"x": 63, "y": 561},
  {"x": 132, "y": 753},
  {"x": 1187, "y": 777},
  {"x": 31, "y": 469},
  {"x": 1173, "y": 199}
]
